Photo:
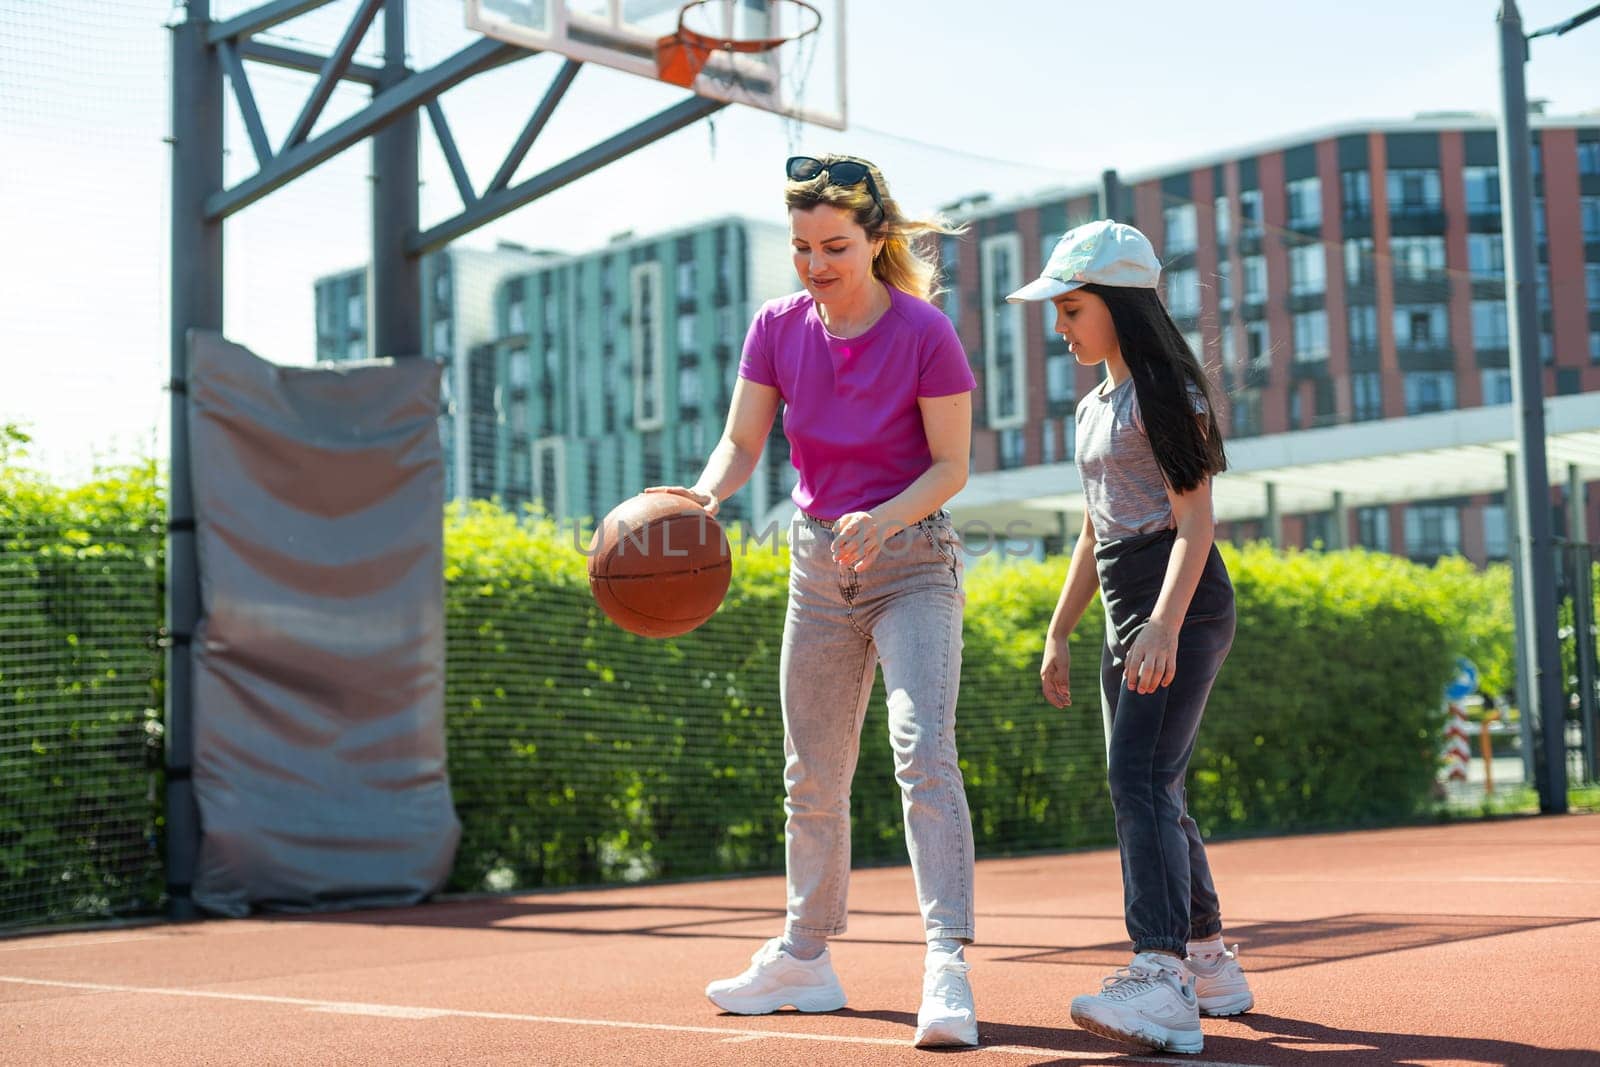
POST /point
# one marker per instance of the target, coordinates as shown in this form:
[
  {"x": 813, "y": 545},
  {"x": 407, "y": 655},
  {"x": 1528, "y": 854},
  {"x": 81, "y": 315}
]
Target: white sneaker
[
  {"x": 946, "y": 1016},
  {"x": 775, "y": 980},
  {"x": 1150, "y": 1002},
  {"x": 1219, "y": 983}
]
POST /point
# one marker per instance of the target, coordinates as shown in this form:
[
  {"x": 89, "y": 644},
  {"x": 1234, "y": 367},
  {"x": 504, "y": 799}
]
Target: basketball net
[{"x": 682, "y": 56}]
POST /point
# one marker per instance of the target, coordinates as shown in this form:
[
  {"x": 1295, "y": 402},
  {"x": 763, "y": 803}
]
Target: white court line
[
  {"x": 34, "y": 946},
  {"x": 1466, "y": 879},
  {"x": 398, "y": 1011}
]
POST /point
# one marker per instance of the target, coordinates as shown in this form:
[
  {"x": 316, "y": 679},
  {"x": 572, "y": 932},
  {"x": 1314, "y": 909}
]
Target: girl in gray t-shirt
[{"x": 1148, "y": 444}]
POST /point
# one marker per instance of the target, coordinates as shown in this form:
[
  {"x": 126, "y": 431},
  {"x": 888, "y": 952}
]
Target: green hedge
[
  {"x": 581, "y": 754},
  {"x": 80, "y": 608}
]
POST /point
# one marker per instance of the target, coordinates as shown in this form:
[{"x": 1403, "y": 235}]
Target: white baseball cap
[{"x": 1102, "y": 253}]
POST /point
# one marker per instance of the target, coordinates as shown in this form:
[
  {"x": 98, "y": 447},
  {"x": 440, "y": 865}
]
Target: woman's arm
[{"x": 947, "y": 422}]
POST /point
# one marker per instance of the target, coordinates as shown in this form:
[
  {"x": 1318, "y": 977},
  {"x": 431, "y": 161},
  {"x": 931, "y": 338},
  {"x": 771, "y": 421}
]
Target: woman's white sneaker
[
  {"x": 946, "y": 1016},
  {"x": 776, "y": 980},
  {"x": 1219, "y": 983},
  {"x": 1150, "y": 1002}
]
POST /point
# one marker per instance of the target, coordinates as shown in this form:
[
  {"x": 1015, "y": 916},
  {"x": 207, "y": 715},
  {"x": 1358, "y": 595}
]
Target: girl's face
[
  {"x": 1084, "y": 322},
  {"x": 832, "y": 253}
]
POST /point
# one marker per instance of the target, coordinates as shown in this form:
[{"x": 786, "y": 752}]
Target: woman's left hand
[
  {"x": 857, "y": 537},
  {"x": 1153, "y": 659}
]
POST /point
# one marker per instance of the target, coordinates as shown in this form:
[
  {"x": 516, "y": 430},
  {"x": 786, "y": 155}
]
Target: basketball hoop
[{"x": 681, "y": 55}]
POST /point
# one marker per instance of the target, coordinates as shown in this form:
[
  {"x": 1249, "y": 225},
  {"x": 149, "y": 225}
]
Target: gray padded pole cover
[{"x": 319, "y": 757}]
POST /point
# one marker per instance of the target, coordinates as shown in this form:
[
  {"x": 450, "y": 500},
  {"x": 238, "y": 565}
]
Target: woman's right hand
[
  {"x": 1053, "y": 672},
  {"x": 708, "y": 501}
]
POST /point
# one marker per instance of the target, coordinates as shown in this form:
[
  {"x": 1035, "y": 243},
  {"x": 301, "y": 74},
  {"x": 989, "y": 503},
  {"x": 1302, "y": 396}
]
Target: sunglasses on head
[{"x": 843, "y": 172}]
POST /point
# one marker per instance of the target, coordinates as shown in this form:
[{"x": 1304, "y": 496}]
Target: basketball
[{"x": 659, "y": 566}]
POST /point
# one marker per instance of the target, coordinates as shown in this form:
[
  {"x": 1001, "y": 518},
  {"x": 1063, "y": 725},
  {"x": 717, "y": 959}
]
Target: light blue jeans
[{"x": 903, "y": 611}]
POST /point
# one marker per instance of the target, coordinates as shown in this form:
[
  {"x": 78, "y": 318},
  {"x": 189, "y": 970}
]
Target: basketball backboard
[{"x": 803, "y": 79}]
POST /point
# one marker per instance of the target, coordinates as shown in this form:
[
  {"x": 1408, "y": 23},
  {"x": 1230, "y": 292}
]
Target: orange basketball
[{"x": 659, "y": 565}]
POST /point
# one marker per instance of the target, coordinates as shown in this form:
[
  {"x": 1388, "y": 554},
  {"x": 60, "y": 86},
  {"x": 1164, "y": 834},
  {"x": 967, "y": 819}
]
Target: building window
[
  {"x": 1588, "y": 213},
  {"x": 1059, "y": 374},
  {"x": 441, "y": 337},
  {"x": 1591, "y": 283},
  {"x": 1496, "y": 534},
  {"x": 1422, "y": 327},
  {"x": 1363, "y": 321},
  {"x": 1486, "y": 256},
  {"x": 1540, "y": 230},
  {"x": 1305, "y": 202},
  {"x": 688, "y": 332},
  {"x": 1366, "y": 395},
  {"x": 1547, "y": 349},
  {"x": 1255, "y": 279},
  {"x": 949, "y": 253},
  {"x": 1047, "y": 441},
  {"x": 1197, "y": 344},
  {"x": 1307, "y": 273},
  {"x": 649, "y": 384},
  {"x": 1489, "y": 324},
  {"x": 1417, "y": 259},
  {"x": 1225, "y": 286},
  {"x": 1230, "y": 347},
  {"x": 686, "y": 280},
  {"x": 1250, "y": 213},
  {"x": 1496, "y": 386},
  {"x": 1542, "y": 286},
  {"x": 355, "y": 310},
  {"x": 1011, "y": 449},
  {"x": 516, "y": 318},
  {"x": 1310, "y": 337},
  {"x": 1258, "y": 342},
  {"x": 1224, "y": 221},
  {"x": 1005, "y": 377},
  {"x": 1428, "y": 391},
  {"x": 1358, "y": 260},
  {"x": 1483, "y": 190},
  {"x": 1247, "y": 413},
  {"x": 1181, "y": 230},
  {"x": 1589, "y": 158},
  {"x": 1433, "y": 530},
  {"x": 1356, "y": 185},
  {"x": 1413, "y": 191},
  {"x": 1594, "y": 346},
  {"x": 1183, "y": 293},
  {"x": 519, "y": 370},
  {"x": 357, "y": 349},
  {"x": 1372, "y": 528}
]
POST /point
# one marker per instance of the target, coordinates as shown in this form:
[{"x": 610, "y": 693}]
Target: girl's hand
[
  {"x": 1153, "y": 659},
  {"x": 708, "y": 501},
  {"x": 857, "y": 537},
  {"x": 1053, "y": 676}
]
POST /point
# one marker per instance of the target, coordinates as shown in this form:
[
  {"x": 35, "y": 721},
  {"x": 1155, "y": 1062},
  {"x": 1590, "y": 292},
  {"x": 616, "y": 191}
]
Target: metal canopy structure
[
  {"x": 208, "y": 59},
  {"x": 1421, "y": 457}
]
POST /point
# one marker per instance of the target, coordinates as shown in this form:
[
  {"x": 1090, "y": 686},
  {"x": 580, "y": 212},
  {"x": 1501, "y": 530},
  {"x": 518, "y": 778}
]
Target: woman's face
[
  {"x": 1084, "y": 322},
  {"x": 832, "y": 253}
]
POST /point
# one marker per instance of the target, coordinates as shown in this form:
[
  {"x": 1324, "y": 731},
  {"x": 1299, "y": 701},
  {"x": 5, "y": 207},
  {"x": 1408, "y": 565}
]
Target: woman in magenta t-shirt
[{"x": 877, "y": 407}]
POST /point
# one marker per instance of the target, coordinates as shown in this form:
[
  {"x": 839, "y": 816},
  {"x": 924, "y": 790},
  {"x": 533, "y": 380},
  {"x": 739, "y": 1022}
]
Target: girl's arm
[
  {"x": 1153, "y": 659},
  {"x": 1076, "y": 593}
]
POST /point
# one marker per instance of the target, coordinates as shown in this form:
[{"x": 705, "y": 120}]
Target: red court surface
[{"x": 1475, "y": 943}]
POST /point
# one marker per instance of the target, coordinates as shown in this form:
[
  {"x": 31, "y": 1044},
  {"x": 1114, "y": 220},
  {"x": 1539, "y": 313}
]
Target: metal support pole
[
  {"x": 1536, "y": 546},
  {"x": 1582, "y": 615},
  {"x": 1110, "y": 195},
  {"x": 1272, "y": 527},
  {"x": 196, "y": 303},
  {"x": 396, "y": 215},
  {"x": 1530, "y": 748}
]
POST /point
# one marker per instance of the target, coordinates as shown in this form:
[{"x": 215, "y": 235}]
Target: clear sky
[{"x": 949, "y": 97}]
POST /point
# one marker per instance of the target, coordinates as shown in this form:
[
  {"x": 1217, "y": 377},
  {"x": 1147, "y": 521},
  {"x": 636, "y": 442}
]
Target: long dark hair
[{"x": 1187, "y": 446}]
